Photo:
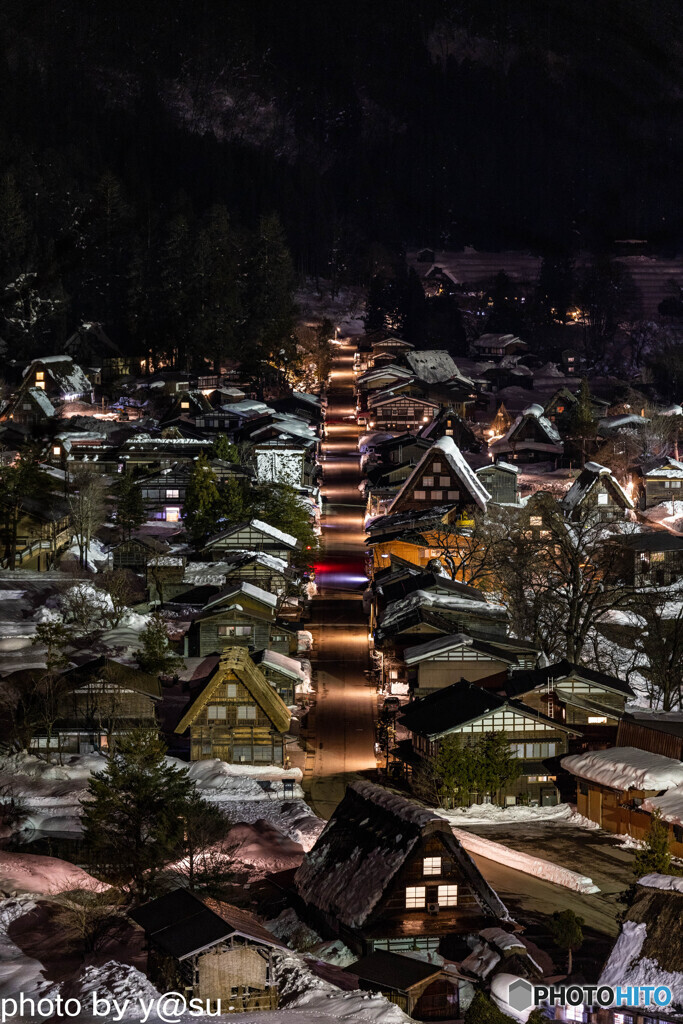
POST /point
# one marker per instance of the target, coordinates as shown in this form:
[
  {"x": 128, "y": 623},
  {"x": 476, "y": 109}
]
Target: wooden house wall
[
  {"x": 618, "y": 812},
  {"x": 97, "y": 702},
  {"x": 284, "y": 685},
  {"x": 435, "y": 484},
  {"x": 501, "y": 485},
  {"x": 249, "y": 539},
  {"x": 633, "y": 734},
  {"x": 234, "y": 739},
  {"x": 658, "y": 489},
  {"x": 208, "y": 638},
  {"x": 435, "y": 674},
  {"x": 391, "y": 917}
]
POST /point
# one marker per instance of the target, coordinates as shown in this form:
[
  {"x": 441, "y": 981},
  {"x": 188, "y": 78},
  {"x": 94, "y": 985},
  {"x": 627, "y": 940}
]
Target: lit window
[
  {"x": 172, "y": 515},
  {"x": 597, "y": 720},
  {"x": 234, "y": 630},
  {"x": 448, "y": 895},
  {"x": 173, "y": 493},
  {"x": 420, "y": 495},
  {"x": 603, "y": 498},
  {"x": 576, "y": 1013},
  {"x": 216, "y": 711},
  {"x": 437, "y": 495},
  {"x": 536, "y": 521},
  {"x": 40, "y": 384},
  {"x": 431, "y": 865},
  {"x": 246, "y": 712},
  {"x": 56, "y": 450},
  {"x": 40, "y": 375},
  {"x": 184, "y": 405},
  {"x": 560, "y": 408},
  {"x": 427, "y": 481},
  {"x": 449, "y": 432},
  {"x": 415, "y": 897}
]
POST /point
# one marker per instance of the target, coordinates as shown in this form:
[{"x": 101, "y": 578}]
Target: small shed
[
  {"x": 215, "y": 952},
  {"x": 423, "y": 990}
]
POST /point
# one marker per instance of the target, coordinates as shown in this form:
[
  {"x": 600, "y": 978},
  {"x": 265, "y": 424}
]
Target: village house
[
  {"x": 423, "y": 990},
  {"x": 498, "y": 345},
  {"x": 236, "y": 715},
  {"x": 596, "y": 490},
  {"x": 531, "y": 438},
  {"x": 619, "y": 788},
  {"x": 286, "y": 675},
  {"x": 401, "y": 449},
  {"x": 447, "y": 423},
  {"x": 96, "y": 703},
  {"x": 442, "y": 477},
  {"x": 29, "y": 408},
  {"x": 398, "y": 408},
  {"x": 60, "y": 378},
  {"x": 576, "y": 695},
  {"x": 210, "y": 951},
  {"x": 560, "y": 408},
  {"x": 241, "y": 614},
  {"x": 650, "y": 558},
  {"x": 186, "y": 407},
  {"x": 381, "y": 485},
  {"x": 286, "y": 461},
  {"x": 468, "y": 711},
  {"x": 136, "y": 551},
  {"x": 445, "y": 659},
  {"x": 660, "y": 732},
  {"x": 388, "y": 874},
  {"x": 501, "y": 480},
  {"x": 300, "y": 404},
  {"x": 254, "y": 535},
  {"x": 409, "y": 536},
  {"x": 659, "y": 480}
]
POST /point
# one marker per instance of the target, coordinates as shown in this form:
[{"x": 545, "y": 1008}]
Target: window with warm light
[
  {"x": 448, "y": 895},
  {"x": 416, "y": 897},
  {"x": 536, "y": 521},
  {"x": 40, "y": 375},
  {"x": 173, "y": 493},
  {"x": 56, "y": 450},
  {"x": 597, "y": 720},
  {"x": 184, "y": 405},
  {"x": 431, "y": 865},
  {"x": 172, "y": 515}
]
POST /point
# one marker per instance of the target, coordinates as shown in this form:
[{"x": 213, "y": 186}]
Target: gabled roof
[
  {"x": 182, "y": 925},
  {"x": 526, "y": 680},
  {"x": 289, "y": 667},
  {"x": 41, "y": 400},
  {"x": 441, "y": 644},
  {"x": 586, "y": 481},
  {"x": 460, "y": 704},
  {"x": 244, "y": 588},
  {"x": 548, "y": 430},
  {"x": 666, "y": 469},
  {"x": 391, "y": 970},
  {"x": 463, "y": 603},
  {"x": 66, "y": 375},
  {"x": 447, "y": 448},
  {"x": 365, "y": 843},
  {"x": 408, "y": 583},
  {"x": 235, "y": 663},
  {"x": 433, "y": 366},
  {"x": 256, "y": 524}
]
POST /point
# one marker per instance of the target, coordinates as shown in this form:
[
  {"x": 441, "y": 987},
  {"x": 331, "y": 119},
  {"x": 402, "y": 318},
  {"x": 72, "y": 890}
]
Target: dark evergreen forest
[{"x": 140, "y": 139}]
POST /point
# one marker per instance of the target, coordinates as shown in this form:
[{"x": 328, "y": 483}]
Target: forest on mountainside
[{"x": 361, "y": 126}]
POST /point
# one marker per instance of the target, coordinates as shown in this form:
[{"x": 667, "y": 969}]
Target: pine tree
[
  {"x": 154, "y": 655},
  {"x": 454, "y": 769},
  {"x": 225, "y": 450},
  {"x": 202, "y": 505},
  {"x": 233, "y": 507},
  {"x": 483, "y": 1010},
  {"x": 497, "y": 766},
  {"x": 130, "y": 508},
  {"x": 654, "y": 856},
  {"x": 567, "y": 933},
  {"x": 582, "y": 420},
  {"x": 132, "y": 814},
  {"x": 281, "y": 507}
]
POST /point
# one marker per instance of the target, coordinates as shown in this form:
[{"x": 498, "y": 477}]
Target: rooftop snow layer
[
  {"x": 626, "y": 768},
  {"x": 286, "y": 538},
  {"x": 433, "y": 365},
  {"x": 288, "y": 666},
  {"x": 670, "y": 805},
  {"x": 39, "y": 396}
]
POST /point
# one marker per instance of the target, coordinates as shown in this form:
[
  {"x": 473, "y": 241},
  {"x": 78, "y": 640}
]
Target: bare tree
[
  {"x": 660, "y": 645},
  {"x": 88, "y": 508},
  {"x": 87, "y": 917},
  {"x": 122, "y": 587}
]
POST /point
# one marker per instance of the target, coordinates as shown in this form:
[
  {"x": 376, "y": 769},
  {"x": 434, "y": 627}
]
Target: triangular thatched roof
[{"x": 235, "y": 663}]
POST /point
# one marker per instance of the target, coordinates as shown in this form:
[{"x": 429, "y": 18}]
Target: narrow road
[{"x": 341, "y": 728}]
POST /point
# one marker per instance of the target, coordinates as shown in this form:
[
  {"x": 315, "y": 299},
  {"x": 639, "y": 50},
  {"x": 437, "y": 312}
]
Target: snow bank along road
[{"x": 342, "y": 724}]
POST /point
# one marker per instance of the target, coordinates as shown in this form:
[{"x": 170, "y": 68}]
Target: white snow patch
[{"x": 626, "y": 768}]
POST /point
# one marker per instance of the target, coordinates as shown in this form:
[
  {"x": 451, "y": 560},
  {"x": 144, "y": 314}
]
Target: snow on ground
[
  {"x": 19, "y": 972},
  {"x": 525, "y": 862},
  {"x": 301, "y": 989},
  {"x": 22, "y": 873},
  {"x": 491, "y": 814}
]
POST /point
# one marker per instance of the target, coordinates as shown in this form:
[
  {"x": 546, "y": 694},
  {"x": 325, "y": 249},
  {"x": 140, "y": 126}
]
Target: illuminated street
[{"x": 342, "y": 730}]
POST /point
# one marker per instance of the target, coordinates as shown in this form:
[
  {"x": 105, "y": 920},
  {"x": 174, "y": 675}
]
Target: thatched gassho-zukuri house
[{"x": 388, "y": 873}]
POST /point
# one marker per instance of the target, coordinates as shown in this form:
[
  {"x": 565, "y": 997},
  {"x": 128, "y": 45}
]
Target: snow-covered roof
[
  {"x": 536, "y": 412},
  {"x": 626, "y": 768},
  {"x": 670, "y": 804},
  {"x": 272, "y": 531},
  {"x": 500, "y": 464},
  {"x": 586, "y": 481},
  {"x": 67, "y": 375},
  {"x": 288, "y": 666},
  {"x": 41, "y": 399},
  {"x": 460, "y": 467},
  {"x": 303, "y": 396},
  {"x": 249, "y": 589},
  {"x": 434, "y": 366},
  {"x": 673, "y": 470},
  {"x": 447, "y": 602}
]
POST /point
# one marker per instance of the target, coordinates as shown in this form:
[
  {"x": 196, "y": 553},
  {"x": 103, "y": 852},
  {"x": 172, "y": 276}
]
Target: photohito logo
[{"x": 522, "y": 995}]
